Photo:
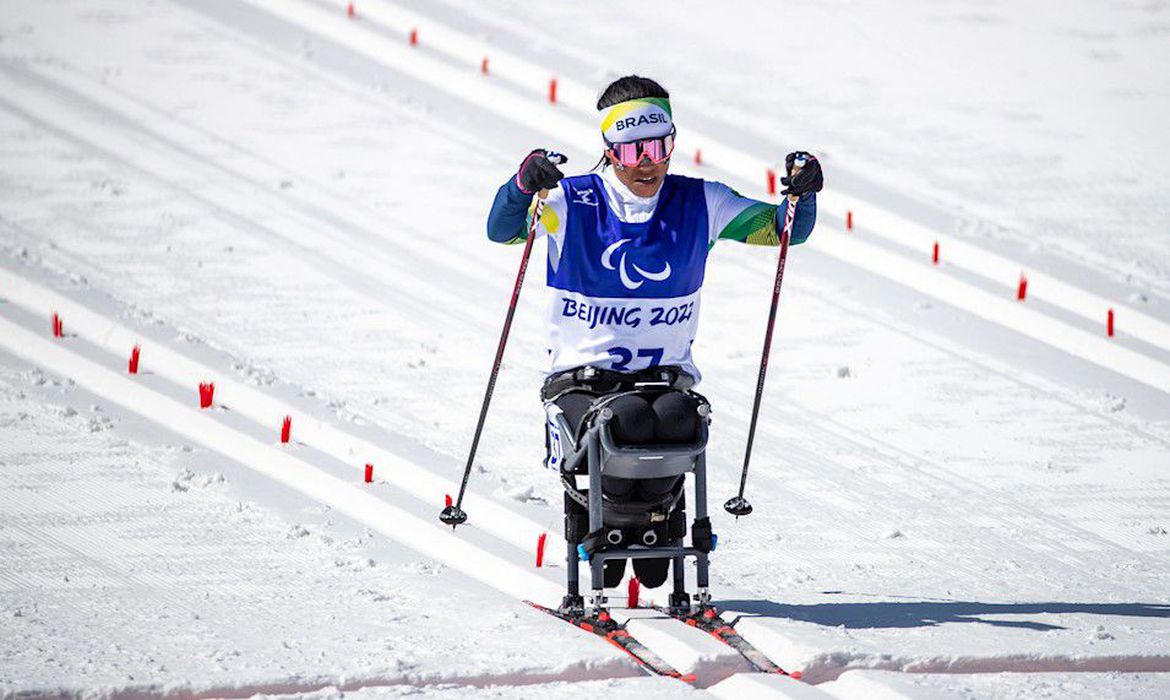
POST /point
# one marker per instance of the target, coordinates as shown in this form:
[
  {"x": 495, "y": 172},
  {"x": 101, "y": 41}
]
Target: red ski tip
[
  {"x": 795, "y": 675},
  {"x": 688, "y": 678}
]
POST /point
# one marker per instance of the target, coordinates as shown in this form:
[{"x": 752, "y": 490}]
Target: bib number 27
[{"x": 623, "y": 356}]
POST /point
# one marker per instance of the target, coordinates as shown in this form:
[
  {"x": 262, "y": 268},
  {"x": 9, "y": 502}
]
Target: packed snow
[{"x": 948, "y": 502}]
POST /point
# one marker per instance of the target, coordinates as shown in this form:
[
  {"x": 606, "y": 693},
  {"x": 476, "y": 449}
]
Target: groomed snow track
[{"x": 497, "y": 547}]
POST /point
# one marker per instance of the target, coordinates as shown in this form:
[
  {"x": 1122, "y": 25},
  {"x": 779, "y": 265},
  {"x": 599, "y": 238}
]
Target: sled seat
[{"x": 651, "y": 473}]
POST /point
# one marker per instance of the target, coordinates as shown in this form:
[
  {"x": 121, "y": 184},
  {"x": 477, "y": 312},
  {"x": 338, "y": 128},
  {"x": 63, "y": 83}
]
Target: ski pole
[
  {"x": 454, "y": 514},
  {"x": 739, "y": 505}
]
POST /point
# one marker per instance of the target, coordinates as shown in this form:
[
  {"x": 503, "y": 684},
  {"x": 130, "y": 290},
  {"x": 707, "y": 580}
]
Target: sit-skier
[{"x": 627, "y": 249}]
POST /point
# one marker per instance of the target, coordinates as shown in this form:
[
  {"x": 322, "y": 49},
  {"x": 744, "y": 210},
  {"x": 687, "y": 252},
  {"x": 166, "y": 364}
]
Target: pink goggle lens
[{"x": 631, "y": 154}]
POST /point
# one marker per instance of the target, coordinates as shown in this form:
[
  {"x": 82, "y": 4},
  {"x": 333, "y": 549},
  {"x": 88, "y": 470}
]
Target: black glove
[
  {"x": 539, "y": 171},
  {"x": 809, "y": 179}
]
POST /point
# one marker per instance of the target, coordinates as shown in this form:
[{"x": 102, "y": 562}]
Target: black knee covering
[
  {"x": 676, "y": 419},
  {"x": 633, "y": 420}
]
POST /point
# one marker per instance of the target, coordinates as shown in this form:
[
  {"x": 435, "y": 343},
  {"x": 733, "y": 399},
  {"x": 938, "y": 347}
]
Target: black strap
[{"x": 605, "y": 381}]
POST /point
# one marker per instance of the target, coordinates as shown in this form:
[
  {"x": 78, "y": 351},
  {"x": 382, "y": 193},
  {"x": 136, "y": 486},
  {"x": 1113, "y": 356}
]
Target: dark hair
[{"x": 630, "y": 87}]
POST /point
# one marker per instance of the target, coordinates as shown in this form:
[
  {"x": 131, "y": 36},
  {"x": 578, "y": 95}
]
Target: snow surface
[{"x": 280, "y": 207}]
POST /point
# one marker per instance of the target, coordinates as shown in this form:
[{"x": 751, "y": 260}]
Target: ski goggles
[{"x": 631, "y": 153}]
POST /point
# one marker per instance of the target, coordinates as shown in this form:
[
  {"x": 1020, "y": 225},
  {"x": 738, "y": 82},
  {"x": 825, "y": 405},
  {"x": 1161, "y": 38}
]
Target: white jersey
[{"x": 625, "y": 273}]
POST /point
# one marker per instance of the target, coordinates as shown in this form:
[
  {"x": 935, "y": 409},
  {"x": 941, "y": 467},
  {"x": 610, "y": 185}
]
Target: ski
[
  {"x": 617, "y": 635},
  {"x": 708, "y": 620}
]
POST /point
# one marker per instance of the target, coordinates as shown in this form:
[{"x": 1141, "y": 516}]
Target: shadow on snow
[{"x": 869, "y": 615}]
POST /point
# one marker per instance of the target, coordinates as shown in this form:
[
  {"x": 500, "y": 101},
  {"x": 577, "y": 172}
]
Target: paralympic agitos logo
[
  {"x": 631, "y": 122},
  {"x": 627, "y": 281}
]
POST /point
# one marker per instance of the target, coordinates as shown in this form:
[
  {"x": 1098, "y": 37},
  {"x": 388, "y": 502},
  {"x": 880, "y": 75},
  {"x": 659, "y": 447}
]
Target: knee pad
[
  {"x": 676, "y": 419},
  {"x": 633, "y": 420}
]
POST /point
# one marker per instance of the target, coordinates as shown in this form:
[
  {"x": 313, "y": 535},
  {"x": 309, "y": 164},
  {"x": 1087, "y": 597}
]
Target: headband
[{"x": 643, "y": 118}]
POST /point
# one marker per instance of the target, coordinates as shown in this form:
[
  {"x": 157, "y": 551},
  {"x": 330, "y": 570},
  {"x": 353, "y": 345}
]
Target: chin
[{"x": 646, "y": 189}]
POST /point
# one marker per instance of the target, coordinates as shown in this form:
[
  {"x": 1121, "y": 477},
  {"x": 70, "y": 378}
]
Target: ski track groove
[
  {"x": 943, "y": 482},
  {"x": 576, "y": 96},
  {"x": 442, "y": 66},
  {"x": 331, "y": 209},
  {"x": 715, "y": 669},
  {"x": 864, "y": 657},
  {"x": 946, "y": 479},
  {"x": 343, "y": 272},
  {"x": 813, "y": 466},
  {"x": 377, "y": 248},
  {"x": 250, "y": 223},
  {"x": 817, "y": 466},
  {"x": 254, "y": 224}
]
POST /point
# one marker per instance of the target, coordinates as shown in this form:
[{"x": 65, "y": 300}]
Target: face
[{"x": 644, "y": 179}]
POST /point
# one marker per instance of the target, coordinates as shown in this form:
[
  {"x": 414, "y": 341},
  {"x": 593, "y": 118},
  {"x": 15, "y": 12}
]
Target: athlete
[{"x": 627, "y": 249}]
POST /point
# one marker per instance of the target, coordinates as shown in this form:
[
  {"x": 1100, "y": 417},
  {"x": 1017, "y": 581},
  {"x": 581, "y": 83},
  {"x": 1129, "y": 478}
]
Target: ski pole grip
[{"x": 796, "y": 166}]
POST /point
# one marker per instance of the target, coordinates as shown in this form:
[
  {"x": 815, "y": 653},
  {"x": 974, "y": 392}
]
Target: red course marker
[
  {"x": 414, "y": 37},
  {"x": 286, "y": 429},
  {"x": 58, "y": 327},
  {"x": 483, "y": 66},
  {"x": 134, "y": 354},
  {"x": 1022, "y": 292},
  {"x": 771, "y": 181},
  {"x": 552, "y": 91},
  {"x": 849, "y": 220},
  {"x": 698, "y": 156},
  {"x": 934, "y": 255},
  {"x": 1109, "y": 323},
  {"x": 206, "y": 394},
  {"x": 369, "y": 473},
  {"x": 540, "y": 549},
  {"x": 349, "y": 11},
  {"x": 447, "y": 500},
  {"x": 632, "y": 592}
]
